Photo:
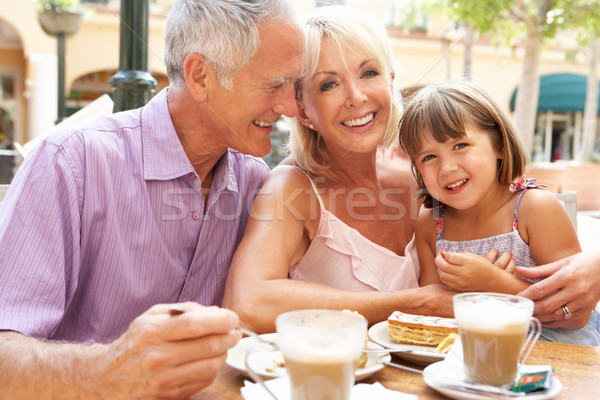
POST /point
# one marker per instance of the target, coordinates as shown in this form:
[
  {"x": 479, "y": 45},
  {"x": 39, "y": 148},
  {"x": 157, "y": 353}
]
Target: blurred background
[{"x": 537, "y": 58}]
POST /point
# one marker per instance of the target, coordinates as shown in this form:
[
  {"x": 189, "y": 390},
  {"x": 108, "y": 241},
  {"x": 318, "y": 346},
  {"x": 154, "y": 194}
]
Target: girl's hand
[
  {"x": 505, "y": 261},
  {"x": 466, "y": 272}
]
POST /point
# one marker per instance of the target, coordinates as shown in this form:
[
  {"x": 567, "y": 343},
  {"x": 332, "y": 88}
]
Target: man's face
[{"x": 262, "y": 91}]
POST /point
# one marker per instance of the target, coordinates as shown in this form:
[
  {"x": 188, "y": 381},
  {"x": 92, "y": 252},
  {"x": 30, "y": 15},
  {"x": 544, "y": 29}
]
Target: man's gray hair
[{"x": 225, "y": 32}]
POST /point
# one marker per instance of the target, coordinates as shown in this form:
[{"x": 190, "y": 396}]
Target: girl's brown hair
[{"x": 445, "y": 110}]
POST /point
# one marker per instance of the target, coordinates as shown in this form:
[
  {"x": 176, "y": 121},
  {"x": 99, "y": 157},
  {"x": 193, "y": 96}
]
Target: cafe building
[
  {"x": 559, "y": 127},
  {"x": 430, "y": 53}
]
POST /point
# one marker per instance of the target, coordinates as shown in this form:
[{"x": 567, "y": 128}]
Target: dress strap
[
  {"x": 525, "y": 183},
  {"x": 516, "y": 212},
  {"x": 522, "y": 186},
  {"x": 439, "y": 213},
  {"x": 314, "y": 189}
]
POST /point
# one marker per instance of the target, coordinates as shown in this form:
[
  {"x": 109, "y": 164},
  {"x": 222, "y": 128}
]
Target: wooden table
[{"x": 577, "y": 367}]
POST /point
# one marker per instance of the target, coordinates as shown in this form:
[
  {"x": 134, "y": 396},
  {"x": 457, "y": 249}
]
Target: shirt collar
[
  {"x": 164, "y": 157},
  {"x": 225, "y": 176}
]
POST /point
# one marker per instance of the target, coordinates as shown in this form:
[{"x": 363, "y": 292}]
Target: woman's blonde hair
[
  {"x": 446, "y": 110},
  {"x": 342, "y": 26}
]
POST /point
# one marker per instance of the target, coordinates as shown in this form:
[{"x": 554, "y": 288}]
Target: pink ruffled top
[{"x": 339, "y": 256}]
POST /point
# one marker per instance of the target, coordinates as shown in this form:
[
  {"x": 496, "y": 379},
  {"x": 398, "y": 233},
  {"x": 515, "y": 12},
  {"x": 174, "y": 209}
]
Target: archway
[
  {"x": 7, "y": 154},
  {"x": 12, "y": 120},
  {"x": 92, "y": 85}
]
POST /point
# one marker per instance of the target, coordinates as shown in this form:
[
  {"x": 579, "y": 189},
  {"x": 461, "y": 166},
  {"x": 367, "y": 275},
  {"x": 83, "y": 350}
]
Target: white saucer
[
  {"x": 423, "y": 355},
  {"x": 260, "y": 361},
  {"x": 438, "y": 374}
]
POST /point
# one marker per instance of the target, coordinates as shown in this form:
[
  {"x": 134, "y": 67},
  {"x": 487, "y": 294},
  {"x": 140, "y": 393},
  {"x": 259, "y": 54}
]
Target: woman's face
[{"x": 348, "y": 100}]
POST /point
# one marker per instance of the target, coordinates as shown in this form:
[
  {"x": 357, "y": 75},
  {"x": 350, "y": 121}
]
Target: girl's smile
[{"x": 457, "y": 186}]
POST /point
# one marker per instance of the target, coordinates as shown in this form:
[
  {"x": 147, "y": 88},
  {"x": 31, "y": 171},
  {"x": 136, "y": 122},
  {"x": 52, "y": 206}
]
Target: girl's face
[
  {"x": 347, "y": 102},
  {"x": 459, "y": 172}
]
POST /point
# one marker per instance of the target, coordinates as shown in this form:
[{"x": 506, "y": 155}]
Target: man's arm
[{"x": 159, "y": 356}]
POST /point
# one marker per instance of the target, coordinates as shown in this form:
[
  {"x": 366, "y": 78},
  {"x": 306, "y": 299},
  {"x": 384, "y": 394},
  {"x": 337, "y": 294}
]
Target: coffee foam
[
  {"x": 318, "y": 348},
  {"x": 492, "y": 315}
]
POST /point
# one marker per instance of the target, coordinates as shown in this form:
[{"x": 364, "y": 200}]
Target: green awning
[{"x": 560, "y": 93}]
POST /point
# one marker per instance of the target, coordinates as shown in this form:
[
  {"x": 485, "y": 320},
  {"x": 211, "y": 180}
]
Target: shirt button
[
  {"x": 191, "y": 176},
  {"x": 195, "y": 215}
]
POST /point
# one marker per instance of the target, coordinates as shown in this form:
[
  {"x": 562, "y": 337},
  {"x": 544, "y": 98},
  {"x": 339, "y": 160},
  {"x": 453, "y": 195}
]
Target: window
[{"x": 7, "y": 87}]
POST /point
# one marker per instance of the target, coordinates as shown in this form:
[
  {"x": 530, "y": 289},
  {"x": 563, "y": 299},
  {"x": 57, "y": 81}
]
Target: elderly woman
[{"x": 338, "y": 217}]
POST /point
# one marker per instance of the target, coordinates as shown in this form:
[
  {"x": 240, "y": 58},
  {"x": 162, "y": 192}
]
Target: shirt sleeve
[{"x": 39, "y": 238}]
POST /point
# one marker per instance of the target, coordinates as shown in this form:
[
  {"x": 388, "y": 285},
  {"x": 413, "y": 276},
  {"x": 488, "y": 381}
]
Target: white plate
[
  {"x": 260, "y": 361},
  {"x": 435, "y": 374},
  {"x": 424, "y": 355}
]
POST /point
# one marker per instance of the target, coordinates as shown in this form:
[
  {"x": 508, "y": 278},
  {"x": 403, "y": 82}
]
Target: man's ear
[{"x": 197, "y": 75}]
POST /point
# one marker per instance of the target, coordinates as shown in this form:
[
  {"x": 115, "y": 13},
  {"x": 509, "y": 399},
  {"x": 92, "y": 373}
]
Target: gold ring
[{"x": 567, "y": 312}]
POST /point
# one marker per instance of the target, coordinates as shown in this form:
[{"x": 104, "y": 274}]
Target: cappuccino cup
[
  {"x": 319, "y": 348},
  {"x": 497, "y": 332}
]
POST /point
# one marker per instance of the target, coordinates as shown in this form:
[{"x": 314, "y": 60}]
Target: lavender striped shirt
[{"x": 103, "y": 222}]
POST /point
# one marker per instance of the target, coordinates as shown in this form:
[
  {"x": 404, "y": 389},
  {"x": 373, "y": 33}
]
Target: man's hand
[
  {"x": 172, "y": 356},
  {"x": 160, "y": 356}
]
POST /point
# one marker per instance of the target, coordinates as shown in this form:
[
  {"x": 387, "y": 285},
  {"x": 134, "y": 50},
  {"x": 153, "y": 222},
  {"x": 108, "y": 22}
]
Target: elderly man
[{"x": 107, "y": 225}]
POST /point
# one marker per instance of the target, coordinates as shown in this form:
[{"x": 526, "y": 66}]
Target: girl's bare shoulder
[
  {"x": 426, "y": 220},
  {"x": 539, "y": 208},
  {"x": 537, "y": 200}
]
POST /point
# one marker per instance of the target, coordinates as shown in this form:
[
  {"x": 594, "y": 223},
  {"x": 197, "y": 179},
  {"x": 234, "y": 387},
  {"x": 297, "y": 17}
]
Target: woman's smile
[{"x": 359, "y": 121}]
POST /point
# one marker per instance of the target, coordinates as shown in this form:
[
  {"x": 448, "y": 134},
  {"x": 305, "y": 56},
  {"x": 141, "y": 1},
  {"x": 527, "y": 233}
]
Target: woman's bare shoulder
[
  {"x": 288, "y": 187},
  {"x": 287, "y": 176}
]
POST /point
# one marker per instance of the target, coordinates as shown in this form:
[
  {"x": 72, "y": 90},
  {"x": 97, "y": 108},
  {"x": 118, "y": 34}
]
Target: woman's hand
[{"x": 573, "y": 282}]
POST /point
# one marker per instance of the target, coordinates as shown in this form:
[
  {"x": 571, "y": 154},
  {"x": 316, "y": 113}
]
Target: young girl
[{"x": 466, "y": 154}]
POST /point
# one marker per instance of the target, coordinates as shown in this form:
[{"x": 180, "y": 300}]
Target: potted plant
[{"x": 59, "y": 16}]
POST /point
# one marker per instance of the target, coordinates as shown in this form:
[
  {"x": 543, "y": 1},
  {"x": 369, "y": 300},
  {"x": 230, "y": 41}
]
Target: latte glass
[
  {"x": 497, "y": 332},
  {"x": 320, "y": 348}
]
